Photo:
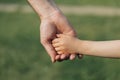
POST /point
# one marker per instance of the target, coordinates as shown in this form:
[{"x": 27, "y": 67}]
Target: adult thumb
[{"x": 50, "y": 50}]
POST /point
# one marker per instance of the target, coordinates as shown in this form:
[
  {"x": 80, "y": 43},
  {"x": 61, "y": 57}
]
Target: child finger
[
  {"x": 55, "y": 40},
  {"x": 60, "y": 52},
  {"x": 59, "y": 49},
  {"x": 56, "y": 45}
]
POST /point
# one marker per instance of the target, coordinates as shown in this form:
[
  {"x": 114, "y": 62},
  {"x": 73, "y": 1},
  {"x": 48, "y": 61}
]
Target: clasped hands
[
  {"x": 52, "y": 22},
  {"x": 50, "y": 26}
]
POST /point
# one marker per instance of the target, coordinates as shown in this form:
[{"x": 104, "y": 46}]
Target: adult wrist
[
  {"x": 43, "y": 8},
  {"x": 51, "y": 15}
]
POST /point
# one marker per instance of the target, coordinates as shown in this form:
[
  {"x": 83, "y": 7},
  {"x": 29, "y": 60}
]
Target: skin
[
  {"x": 52, "y": 23},
  {"x": 64, "y": 44}
]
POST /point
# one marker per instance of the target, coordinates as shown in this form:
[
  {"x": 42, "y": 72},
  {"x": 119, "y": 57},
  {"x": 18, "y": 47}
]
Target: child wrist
[{"x": 82, "y": 46}]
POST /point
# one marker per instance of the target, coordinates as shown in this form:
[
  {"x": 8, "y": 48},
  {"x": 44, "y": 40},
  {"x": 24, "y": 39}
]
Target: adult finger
[
  {"x": 72, "y": 56},
  {"x": 64, "y": 56},
  {"x": 50, "y": 50},
  {"x": 61, "y": 57},
  {"x": 57, "y": 58},
  {"x": 80, "y": 56}
]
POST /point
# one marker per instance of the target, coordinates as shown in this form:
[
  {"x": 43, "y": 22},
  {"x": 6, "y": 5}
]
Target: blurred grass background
[
  {"x": 22, "y": 57},
  {"x": 113, "y": 3}
]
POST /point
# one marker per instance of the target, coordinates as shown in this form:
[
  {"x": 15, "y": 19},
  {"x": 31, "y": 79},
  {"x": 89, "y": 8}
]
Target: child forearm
[{"x": 101, "y": 48}]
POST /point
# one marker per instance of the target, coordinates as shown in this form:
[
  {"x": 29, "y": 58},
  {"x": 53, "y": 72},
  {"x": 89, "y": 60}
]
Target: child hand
[{"x": 65, "y": 44}]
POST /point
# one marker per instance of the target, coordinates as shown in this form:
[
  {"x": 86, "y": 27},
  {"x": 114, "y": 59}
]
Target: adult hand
[{"x": 51, "y": 26}]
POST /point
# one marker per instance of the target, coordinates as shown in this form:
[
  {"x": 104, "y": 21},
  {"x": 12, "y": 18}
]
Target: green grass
[
  {"x": 96, "y": 28},
  {"x": 113, "y": 3},
  {"x": 22, "y": 57},
  {"x": 14, "y": 1}
]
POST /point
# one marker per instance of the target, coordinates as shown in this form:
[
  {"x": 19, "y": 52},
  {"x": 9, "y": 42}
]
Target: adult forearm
[{"x": 44, "y": 8}]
